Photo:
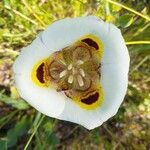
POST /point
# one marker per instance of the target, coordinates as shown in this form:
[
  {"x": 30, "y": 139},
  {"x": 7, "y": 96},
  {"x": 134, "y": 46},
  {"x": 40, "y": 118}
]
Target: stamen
[
  {"x": 74, "y": 71},
  {"x": 70, "y": 79},
  {"x": 70, "y": 67},
  {"x": 82, "y": 72},
  {"x": 80, "y": 62},
  {"x": 80, "y": 80},
  {"x": 63, "y": 73}
]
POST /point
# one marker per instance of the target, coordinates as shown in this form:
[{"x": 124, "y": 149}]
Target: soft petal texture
[
  {"x": 66, "y": 31},
  {"x": 114, "y": 83},
  {"x": 114, "y": 69},
  {"x": 45, "y": 100},
  {"x": 115, "y": 65}
]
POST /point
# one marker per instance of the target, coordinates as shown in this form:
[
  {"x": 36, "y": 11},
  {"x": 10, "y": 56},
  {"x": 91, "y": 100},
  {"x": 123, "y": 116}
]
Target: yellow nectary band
[{"x": 99, "y": 94}]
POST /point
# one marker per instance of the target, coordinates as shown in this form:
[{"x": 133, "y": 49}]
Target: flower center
[
  {"x": 69, "y": 68},
  {"x": 75, "y": 70}
]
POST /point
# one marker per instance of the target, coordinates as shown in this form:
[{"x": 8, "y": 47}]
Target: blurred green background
[{"x": 22, "y": 127}]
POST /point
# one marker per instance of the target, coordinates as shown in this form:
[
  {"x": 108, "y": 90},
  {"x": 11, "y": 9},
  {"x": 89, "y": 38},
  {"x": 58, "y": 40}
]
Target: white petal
[
  {"x": 30, "y": 55},
  {"x": 45, "y": 100},
  {"x": 114, "y": 82},
  {"x": 66, "y": 31},
  {"x": 115, "y": 64},
  {"x": 115, "y": 50}
]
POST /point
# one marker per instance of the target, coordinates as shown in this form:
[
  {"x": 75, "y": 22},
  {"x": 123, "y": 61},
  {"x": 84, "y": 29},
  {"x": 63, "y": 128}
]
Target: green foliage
[
  {"x": 20, "y": 22},
  {"x": 19, "y": 130},
  {"x": 3, "y": 145},
  {"x": 125, "y": 20},
  {"x": 13, "y": 101}
]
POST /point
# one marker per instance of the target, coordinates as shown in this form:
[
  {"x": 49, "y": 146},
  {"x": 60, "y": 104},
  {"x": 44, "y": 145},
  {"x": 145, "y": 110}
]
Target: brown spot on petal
[
  {"x": 91, "y": 43},
  {"x": 91, "y": 99},
  {"x": 40, "y": 73}
]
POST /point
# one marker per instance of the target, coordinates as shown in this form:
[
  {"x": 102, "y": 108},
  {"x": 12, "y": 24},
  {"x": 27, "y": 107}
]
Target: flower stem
[
  {"x": 35, "y": 129},
  {"x": 137, "y": 42},
  {"x": 129, "y": 9},
  {"x": 139, "y": 64}
]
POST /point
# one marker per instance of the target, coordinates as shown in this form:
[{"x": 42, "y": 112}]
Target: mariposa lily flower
[{"x": 75, "y": 70}]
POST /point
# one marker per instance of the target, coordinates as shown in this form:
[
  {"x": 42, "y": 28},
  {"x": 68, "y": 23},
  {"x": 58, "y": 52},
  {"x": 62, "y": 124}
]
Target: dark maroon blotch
[
  {"x": 91, "y": 99},
  {"x": 40, "y": 73},
  {"x": 90, "y": 42}
]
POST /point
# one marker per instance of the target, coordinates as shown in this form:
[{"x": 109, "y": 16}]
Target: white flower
[{"x": 75, "y": 70}]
